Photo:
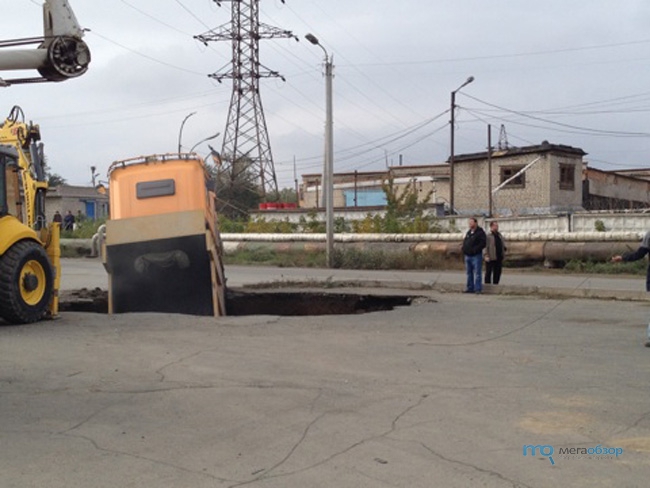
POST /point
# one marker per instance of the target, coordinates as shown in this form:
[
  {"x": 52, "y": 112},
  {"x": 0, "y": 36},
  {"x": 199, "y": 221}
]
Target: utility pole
[
  {"x": 329, "y": 151},
  {"x": 295, "y": 181},
  {"x": 452, "y": 124},
  {"x": 246, "y": 145},
  {"x": 489, "y": 154}
]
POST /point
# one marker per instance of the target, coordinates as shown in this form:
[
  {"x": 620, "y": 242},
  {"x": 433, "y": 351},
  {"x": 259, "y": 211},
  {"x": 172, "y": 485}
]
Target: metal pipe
[
  {"x": 509, "y": 236},
  {"x": 20, "y": 59}
]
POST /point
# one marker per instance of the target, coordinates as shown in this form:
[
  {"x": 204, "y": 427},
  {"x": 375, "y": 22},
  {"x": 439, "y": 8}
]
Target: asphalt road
[
  {"x": 441, "y": 393},
  {"x": 79, "y": 273},
  {"x": 444, "y": 393}
]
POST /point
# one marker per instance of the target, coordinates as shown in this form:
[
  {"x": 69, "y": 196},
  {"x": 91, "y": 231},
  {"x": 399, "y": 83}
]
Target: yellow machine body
[{"x": 29, "y": 247}]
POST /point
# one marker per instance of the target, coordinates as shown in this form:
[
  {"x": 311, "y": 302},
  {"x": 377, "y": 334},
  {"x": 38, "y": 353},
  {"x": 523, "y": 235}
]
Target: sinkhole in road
[{"x": 265, "y": 302}]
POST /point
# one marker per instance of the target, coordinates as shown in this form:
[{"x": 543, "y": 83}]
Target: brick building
[
  {"x": 540, "y": 179},
  {"x": 364, "y": 188},
  {"x": 609, "y": 190}
]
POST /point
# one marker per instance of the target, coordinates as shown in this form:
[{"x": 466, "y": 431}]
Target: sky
[{"x": 572, "y": 72}]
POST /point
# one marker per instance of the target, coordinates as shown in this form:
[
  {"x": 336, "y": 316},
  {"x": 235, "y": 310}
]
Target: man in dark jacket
[
  {"x": 495, "y": 252},
  {"x": 636, "y": 255},
  {"x": 473, "y": 246}
]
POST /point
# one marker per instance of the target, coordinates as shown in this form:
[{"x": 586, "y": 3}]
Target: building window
[
  {"x": 567, "y": 177},
  {"x": 508, "y": 172}
]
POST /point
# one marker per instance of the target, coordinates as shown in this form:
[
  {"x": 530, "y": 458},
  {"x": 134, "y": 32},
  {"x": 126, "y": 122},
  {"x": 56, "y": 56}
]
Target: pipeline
[
  {"x": 451, "y": 237},
  {"x": 552, "y": 249}
]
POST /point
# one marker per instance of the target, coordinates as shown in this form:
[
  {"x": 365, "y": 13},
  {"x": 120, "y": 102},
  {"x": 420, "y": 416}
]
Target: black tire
[{"x": 26, "y": 302}]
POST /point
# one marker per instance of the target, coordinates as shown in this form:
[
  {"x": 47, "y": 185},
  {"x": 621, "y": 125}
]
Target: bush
[
  {"x": 262, "y": 226},
  {"x": 85, "y": 229}
]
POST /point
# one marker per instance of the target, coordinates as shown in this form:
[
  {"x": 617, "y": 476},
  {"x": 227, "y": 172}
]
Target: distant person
[
  {"x": 636, "y": 255},
  {"x": 80, "y": 217},
  {"x": 473, "y": 246},
  {"x": 68, "y": 221},
  {"x": 640, "y": 253},
  {"x": 58, "y": 218},
  {"x": 495, "y": 252}
]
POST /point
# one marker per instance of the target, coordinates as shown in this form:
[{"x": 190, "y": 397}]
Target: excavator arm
[{"x": 60, "y": 54}]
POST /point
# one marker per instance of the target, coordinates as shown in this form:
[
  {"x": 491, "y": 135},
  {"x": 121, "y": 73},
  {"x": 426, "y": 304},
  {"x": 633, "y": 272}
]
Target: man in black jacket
[
  {"x": 640, "y": 253},
  {"x": 473, "y": 246}
]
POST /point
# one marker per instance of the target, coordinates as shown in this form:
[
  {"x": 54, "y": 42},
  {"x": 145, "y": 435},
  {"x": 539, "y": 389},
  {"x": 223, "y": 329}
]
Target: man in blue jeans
[{"x": 473, "y": 246}]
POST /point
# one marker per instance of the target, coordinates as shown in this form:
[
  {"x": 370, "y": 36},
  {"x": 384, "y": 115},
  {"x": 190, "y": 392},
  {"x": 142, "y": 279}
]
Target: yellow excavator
[{"x": 29, "y": 246}]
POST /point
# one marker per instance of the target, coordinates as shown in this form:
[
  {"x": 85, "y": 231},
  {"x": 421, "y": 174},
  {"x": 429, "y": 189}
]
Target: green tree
[
  {"x": 288, "y": 195},
  {"x": 236, "y": 188},
  {"x": 405, "y": 210},
  {"x": 54, "y": 179}
]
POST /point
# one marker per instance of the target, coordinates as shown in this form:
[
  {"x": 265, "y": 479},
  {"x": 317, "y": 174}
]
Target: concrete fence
[{"x": 576, "y": 222}]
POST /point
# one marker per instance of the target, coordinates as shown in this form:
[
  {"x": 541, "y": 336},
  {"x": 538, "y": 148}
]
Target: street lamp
[
  {"x": 205, "y": 140},
  {"x": 451, "y": 157},
  {"x": 328, "y": 163},
  {"x": 180, "y": 132}
]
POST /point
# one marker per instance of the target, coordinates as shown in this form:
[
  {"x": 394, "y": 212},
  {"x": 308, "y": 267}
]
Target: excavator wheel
[{"x": 26, "y": 283}]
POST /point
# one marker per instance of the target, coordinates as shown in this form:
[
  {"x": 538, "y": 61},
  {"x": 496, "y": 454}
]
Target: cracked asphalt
[{"x": 444, "y": 393}]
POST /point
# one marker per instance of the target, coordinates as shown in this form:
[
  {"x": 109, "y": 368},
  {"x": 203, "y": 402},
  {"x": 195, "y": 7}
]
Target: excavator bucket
[{"x": 162, "y": 249}]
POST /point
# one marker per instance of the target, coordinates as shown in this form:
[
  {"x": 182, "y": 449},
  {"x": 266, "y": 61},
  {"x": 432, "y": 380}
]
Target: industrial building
[
  {"x": 91, "y": 202},
  {"x": 532, "y": 180}
]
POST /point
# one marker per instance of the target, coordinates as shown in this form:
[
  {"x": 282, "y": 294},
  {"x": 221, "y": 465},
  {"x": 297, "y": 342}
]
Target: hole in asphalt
[{"x": 263, "y": 302}]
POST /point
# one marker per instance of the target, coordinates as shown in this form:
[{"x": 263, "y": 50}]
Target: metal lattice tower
[
  {"x": 503, "y": 139},
  {"x": 246, "y": 136}
]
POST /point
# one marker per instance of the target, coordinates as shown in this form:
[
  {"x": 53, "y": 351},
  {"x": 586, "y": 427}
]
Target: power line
[
  {"x": 505, "y": 56},
  {"x": 146, "y": 56},
  {"x": 84, "y": 123},
  {"x": 364, "y": 75},
  {"x": 555, "y": 129},
  {"x": 127, "y": 107},
  {"x": 585, "y": 130},
  {"x": 403, "y": 148},
  {"x": 341, "y": 154},
  {"x": 155, "y": 19},
  {"x": 196, "y": 17}
]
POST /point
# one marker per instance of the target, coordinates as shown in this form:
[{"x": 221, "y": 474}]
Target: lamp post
[
  {"x": 205, "y": 140},
  {"x": 451, "y": 156},
  {"x": 180, "y": 131},
  {"x": 328, "y": 166}
]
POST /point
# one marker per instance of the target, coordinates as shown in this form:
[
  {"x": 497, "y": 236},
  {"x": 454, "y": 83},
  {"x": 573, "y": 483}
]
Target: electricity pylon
[{"x": 246, "y": 137}]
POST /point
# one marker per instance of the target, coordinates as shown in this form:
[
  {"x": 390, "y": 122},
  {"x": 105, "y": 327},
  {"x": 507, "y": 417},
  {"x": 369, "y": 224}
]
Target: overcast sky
[{"x": 568, "y": 71}]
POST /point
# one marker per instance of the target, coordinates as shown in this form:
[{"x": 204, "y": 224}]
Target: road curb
[{"x": 508, "y": 290}]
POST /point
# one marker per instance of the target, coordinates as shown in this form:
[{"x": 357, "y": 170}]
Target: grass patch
[
  {"x": 74, "y": 251},
  {"x": 377, "y": 259},
  {"x": 283, "y": 259},
  {"x": 343, "y": 259},
  {"x": 353, "y": 258},
  {"x": 598, "y": 267}
]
